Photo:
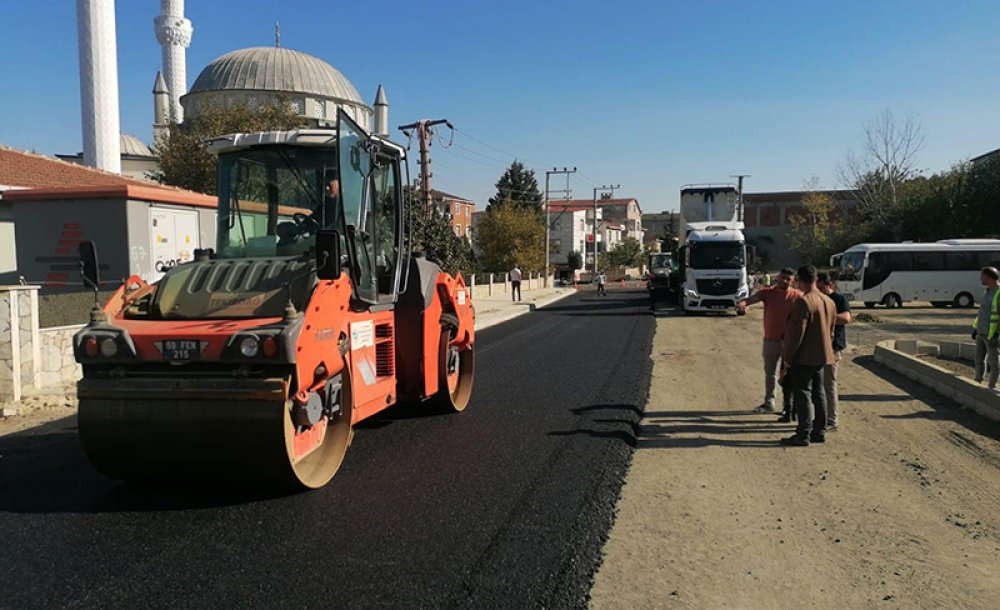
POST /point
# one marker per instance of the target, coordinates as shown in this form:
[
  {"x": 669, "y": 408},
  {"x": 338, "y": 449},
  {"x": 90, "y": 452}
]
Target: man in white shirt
[
  {"x": 601, "y": 280},
  {"x": 515, "y": 283}
]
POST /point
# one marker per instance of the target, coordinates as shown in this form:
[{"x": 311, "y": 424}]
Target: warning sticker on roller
[
  {"x": 362, "y": 334},
  {"x": 367, "y": 371},
  {"x": 461, "y": 297}
]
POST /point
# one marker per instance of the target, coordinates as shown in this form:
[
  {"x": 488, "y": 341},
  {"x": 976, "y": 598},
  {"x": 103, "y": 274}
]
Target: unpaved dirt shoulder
[
  {"x": 900, "y": 509},
  {"x": 34, "y": 411}
]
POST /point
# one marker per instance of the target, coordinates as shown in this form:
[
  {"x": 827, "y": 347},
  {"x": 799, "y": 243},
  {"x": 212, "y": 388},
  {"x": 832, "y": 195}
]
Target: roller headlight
[
  {"x": 109, "y": 347},
  {"x": 249, "y": 347}
]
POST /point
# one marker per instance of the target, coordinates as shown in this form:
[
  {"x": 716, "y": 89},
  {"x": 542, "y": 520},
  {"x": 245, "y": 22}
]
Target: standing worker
[
  {"x": 828, "y": 286},
  {"x": 778, "y": 301},
  {"x": 805, "y": 352},
  {"x": 985, "y": 329},
  {"x": 515, "y": 283},
  {"x": 601, "y": 280}
]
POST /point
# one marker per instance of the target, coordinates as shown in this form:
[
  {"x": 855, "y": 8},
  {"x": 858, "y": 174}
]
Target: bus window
[
  {"x": 961, "y": 261},
  {"x": 928, "y": 261},
  {"x": 989, "y": 259},
  {"x": 850, "y": 266},
  {"x": 897, "y": 261}
]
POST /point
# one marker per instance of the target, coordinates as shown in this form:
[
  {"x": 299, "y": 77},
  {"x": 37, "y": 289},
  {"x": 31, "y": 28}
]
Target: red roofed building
[{"x": 48, "y": 206}]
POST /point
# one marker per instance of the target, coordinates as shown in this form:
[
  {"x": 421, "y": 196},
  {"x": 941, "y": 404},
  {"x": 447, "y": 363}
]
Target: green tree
[
  {"x": 670, "y": 238},
  {"x": 626, "y": 253},
  {"x": 184, "y": 159},
  {"x": 815, "y": 233},
  {"x": 432, "y": 236},
  {"x": 518, "y": 187},
  {"x": 507, "y": 235},
  {"x": 574, "y": 260}
]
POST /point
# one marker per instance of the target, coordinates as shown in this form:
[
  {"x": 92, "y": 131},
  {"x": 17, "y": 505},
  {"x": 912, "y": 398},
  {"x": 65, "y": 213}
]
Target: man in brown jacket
[{"x": 805, "y": 351}]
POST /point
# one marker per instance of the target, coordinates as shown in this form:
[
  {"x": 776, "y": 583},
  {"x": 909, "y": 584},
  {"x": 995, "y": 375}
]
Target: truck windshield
[
  {"x": 717, "y": 255},
  {"x": 272, "y": 201},
  {"x": 662, "y": 261},
  {"x": 850, "y": 266}
]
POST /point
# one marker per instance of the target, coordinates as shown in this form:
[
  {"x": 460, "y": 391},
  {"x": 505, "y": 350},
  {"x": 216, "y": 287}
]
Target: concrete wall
[
  {"x": 32, "y": 359},
  {"x": 57, "y": 365},
  {"x": 18, "y": 353}
]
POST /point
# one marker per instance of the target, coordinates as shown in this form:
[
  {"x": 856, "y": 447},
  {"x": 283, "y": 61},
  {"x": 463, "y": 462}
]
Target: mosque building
[{"x": 253, "y": 77}]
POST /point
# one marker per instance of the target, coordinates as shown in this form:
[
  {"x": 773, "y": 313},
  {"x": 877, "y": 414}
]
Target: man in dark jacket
[{"x": 806, "y": 350}]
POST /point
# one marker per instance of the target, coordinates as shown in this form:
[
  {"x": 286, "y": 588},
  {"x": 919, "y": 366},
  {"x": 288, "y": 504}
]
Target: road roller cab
[{"x": 255, "y": 360}]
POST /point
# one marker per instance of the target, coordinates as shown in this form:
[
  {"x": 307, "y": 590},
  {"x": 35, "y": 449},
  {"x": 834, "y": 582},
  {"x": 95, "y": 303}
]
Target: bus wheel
[
  {"x": 869, "y": 304},
  {"x": 892, "y": 301},
  {"x": 964, "y": 300}
]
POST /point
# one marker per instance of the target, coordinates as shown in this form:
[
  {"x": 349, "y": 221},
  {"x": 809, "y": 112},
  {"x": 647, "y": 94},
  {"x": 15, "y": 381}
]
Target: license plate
[{"x": 181, "y": 349}]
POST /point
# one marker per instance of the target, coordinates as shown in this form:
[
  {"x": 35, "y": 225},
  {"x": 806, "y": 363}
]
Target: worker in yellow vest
[{"x": 986, "y": 328}]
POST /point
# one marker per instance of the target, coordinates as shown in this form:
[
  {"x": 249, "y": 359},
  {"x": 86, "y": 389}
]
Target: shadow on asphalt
[
  {"x": 942, "y": 408},
  {"x": 44, "y": 470},
  {"x": 617, "y": 422}
]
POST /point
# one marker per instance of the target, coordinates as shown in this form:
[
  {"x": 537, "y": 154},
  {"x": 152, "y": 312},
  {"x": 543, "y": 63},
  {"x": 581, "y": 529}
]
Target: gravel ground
[{"x": 898, "y": 509}]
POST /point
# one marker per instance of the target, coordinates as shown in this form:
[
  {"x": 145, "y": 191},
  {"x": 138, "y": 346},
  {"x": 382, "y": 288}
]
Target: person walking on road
[
  {"x": 805, "y": 352},
  {"x": 828, "y": 286},
  {"x": 515, "y": 283},
  {"x": 778, "y": 301},
  {"x": 601, "y": 280},
  {"x": 985, "y": 331}
]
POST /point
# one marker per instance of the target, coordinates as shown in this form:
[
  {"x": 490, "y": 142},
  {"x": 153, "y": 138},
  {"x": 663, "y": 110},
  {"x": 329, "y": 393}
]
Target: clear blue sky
[{"x": 650, "y": 95}]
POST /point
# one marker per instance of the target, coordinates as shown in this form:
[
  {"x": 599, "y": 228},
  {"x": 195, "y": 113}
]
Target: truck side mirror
[
  {"x": 328, "y": 254},
  {"x": 89, "y": 267}
]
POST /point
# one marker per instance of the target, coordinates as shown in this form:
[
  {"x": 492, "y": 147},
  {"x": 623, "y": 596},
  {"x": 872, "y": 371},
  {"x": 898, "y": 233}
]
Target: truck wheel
[{"x": 456, "y": 370}]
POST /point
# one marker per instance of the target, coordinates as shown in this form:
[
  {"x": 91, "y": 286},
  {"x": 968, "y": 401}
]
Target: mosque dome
[
  {"x": 133, "y": 146},
  {"x": 275, "y": 69},
  {"x": 261, "y": 75}
]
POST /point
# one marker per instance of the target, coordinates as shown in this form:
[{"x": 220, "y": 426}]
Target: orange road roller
[{"x": 254, "y": 361}]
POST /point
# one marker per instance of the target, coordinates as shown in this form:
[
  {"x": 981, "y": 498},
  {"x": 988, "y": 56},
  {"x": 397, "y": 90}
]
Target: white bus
[{"x": 944, "y": 272}]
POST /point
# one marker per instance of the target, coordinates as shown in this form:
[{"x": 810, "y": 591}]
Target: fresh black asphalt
[{"x": 506, "y": 505}]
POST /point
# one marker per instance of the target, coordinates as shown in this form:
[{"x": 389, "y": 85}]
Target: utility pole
[
  {"x": 425, "y": 131},
  {"x": 739, "y": 194},
  {"x": 548, "y": 216},
  {"x": 593, "y": 235}
]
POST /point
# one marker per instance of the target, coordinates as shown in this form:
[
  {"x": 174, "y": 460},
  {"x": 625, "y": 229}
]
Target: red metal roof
[{"x": 47, "y": 178}]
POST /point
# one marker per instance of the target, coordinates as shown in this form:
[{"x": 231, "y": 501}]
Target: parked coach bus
[{"x": 944, "y": 272}]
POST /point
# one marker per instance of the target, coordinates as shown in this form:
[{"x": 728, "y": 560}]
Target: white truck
[{"x": 714, "y": 254}]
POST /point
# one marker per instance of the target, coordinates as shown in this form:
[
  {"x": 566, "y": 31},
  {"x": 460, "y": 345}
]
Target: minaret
[
  {"x": 381, "y": 126},
  {"x": 95, "y": 23},
  {"x": 161, "y": 109},
  {"x": 174, "y": 33}
]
